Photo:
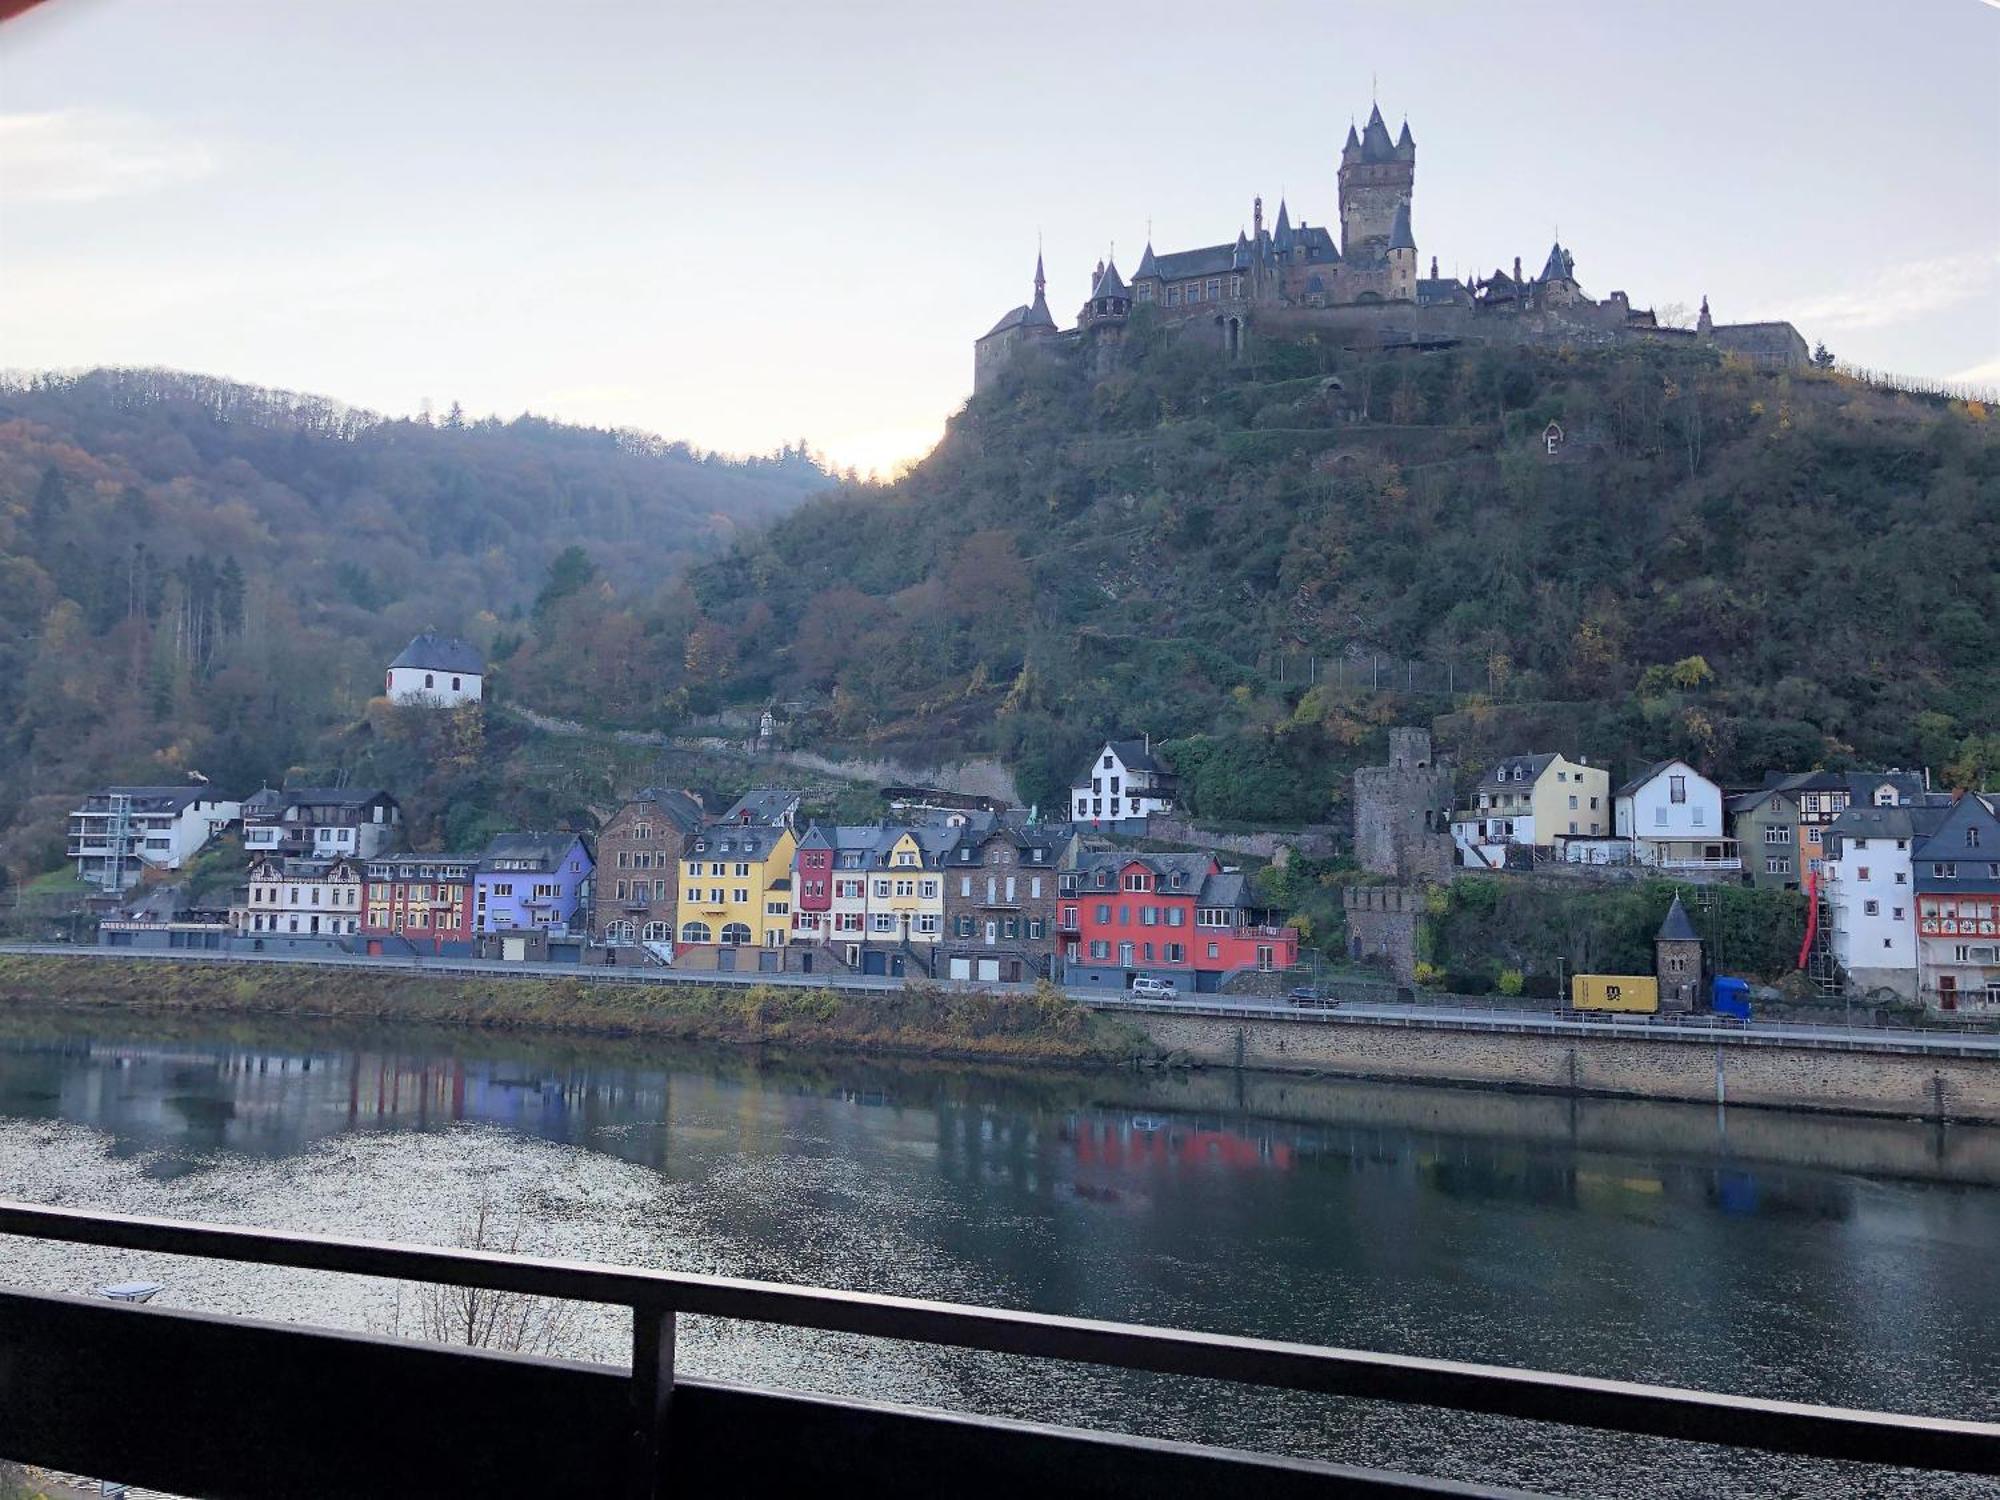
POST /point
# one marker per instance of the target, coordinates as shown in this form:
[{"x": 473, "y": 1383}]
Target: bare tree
[{"x": 479, "y": 1317}]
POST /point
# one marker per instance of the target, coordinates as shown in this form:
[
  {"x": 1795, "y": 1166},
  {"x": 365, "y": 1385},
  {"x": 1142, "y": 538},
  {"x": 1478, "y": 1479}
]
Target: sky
[{"x": 746, "y": 224}]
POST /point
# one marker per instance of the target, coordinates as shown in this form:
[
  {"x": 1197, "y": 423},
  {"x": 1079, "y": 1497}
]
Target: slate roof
[
  {"x": 545, "y": 851},
  {"x": 1375, "y": 142},
  {"x": 1978, "y": 865},
  {"x": 1109, "y": 284},
  {"x": 766, "y": 805},
  {"x": 682, "y": 809},
  {"x": 431, "y": 652},
  {"x": 152, "y": 799},
  {"x": 1560, "y": 266},
  {"x": 1192, "y": 867},
  {"x": 1013, "y": 319},
  {"x": 269, "y": 801},
  {"x": 1864, "y": 820},
  {"x": 1137, "y": 757},
  {"x": 1182, "y": 265},
  {"x": 1677, "y": 928},
  {"x": 1400, "y": 236},
  {"x": 1534, "y": 765}
]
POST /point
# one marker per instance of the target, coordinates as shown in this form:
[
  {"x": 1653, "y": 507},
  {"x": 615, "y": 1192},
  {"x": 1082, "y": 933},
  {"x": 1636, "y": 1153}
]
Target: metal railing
[{"x": 479, "y": 1410}]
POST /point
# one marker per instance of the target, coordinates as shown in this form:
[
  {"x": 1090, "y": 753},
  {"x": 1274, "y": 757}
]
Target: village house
[
  {"x": 830, "y": 888},
  {"x": 1178, "y": 916},
  {"x": 121, "y": 832},
  {"x": 635, "y": 896},
  {"x": 736, "y": 891},
  {"x": 321, "y": 822},
  {"x": 1125, "y": 779},
  {"x": 436, "y": 670},
  {"x": 1780, "y": 827},
  {"x": 301, "y": 897},
  {"x": 906, "y": 899},
  {"x": 1670, "y": 815},
  {"x": 1531, "y": 801},
  {"x": 532, "y": 882},
  {"x": 1000, "y": 897},
  {"x": 419, "y": 903},
  {"x": 1957, "y": 874},
  {"x": 1870, "y": 896}
]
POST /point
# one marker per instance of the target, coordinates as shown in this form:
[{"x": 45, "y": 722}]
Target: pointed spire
[
  {"x": 1281, "y": 237},
  {"x": 1375, "y": 117},
  {"x": 1434, "y": 268},
  {"x": 1146, "y": 265},
  {"x": 1257, "y": 218},
  {"x": 1375, "y": 142},
  {"x": 1400, "y": 236},
  {"x": 1353, "y": 139},
  {"x": 1041, "y": 281},
  {"x": 1704, "y": 323},
  {"x": 1678, "y": 927}
]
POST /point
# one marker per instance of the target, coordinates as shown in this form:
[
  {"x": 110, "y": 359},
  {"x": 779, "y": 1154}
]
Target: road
[{"x": 1721, "y": 1030}]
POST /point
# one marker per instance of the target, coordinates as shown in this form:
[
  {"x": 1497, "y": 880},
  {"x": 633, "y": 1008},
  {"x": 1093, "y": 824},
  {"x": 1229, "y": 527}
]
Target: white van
[{"x": 1146, "y": 987}]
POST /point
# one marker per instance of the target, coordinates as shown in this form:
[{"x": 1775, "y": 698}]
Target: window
[
  {"x": 1871, "y": 908},
  {"x": 742, "y": 871},
  {"x": 1103, "y": 913},
  {"x": 965, "y": 885},
  {"x": 1100, "y": 949},
  {"x": 1862, "y": 873},
  {"x": 1677, "y": 788},
  {"x": 1896, "y": 913},
  {"x": 1972, "y": 838},
  {"x": 1659, "y": 817},
  {"x": 847, "y": 921},
  {"x": 884, "y": 922},
  {"x": 1700, "y": 815},
  {"x": 1778, "y": 834},
  {"x": 429, "y": 680},
  {"x": 1035, "y": 886},
  {"x": 736, "y": 934},
  {"x": 906, "y": 888},
  {"x": 1214, "y": 288},
  {"x": 1778, "y": 864},
  {"x": 1944, "y": 872},
  {"x": 742, "y": 895},
  {"x": 882, "y": 889},
  {"x": 1572, "y": 802},
  {"x": 1135, "y": 882},
  {"x": 927, "y": 922},
  {"x": 695, "y": 932},
  {"x": 929, "y": 889}
]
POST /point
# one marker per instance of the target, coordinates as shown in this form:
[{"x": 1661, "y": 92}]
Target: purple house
[{"x": 532, "y": 881}]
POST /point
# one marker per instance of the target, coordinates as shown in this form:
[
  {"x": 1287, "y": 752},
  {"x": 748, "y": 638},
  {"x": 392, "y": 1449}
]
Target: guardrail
[{"x": 226, "y": 1407}]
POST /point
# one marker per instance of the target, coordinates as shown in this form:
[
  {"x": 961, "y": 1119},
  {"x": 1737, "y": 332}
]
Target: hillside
[
  {"x": 198, "y": 575},
  {"x": 1747, "y": 568}
]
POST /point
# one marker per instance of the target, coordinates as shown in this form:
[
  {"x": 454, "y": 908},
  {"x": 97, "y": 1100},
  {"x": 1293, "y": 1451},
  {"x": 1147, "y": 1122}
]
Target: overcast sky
[{"x": 740, "y": 224}]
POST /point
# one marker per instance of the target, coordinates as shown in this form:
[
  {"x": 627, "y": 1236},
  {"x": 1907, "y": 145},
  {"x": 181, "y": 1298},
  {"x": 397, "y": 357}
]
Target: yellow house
[
  {"x": 1534, "y": 800},
  {"x": 906, "y": 888},
  {"x": 736, "y": 887}
]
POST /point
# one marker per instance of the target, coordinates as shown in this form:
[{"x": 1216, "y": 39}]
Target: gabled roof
[
  {"x": 267, "y": 801},
  {"x": 1655, "y": 769},
  {"x": 1677, "y": 928},
  {"x": 431, "y": 652},
  {"x": 1560, "y": 266},
  {"x": 1136, "y": 757},
  {"x": 1864, "y": 820},
  {"x": 1011, "y": 319},
  {"x": 1191, "y": 866}
]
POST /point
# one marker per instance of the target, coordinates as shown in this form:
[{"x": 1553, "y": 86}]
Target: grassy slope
[{"x": 918, "y": 1021}]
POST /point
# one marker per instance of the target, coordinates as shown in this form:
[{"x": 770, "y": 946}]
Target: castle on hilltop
[{"x": 1365, "y": 286}]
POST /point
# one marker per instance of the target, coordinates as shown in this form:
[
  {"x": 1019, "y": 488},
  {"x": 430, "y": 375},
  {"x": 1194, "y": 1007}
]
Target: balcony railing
[{"x": 227, "y": 1407}]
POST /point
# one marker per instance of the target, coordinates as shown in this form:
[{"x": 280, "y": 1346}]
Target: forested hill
[
  {"x": 204, "y": 575},
  {"x": 1747, "y": 568}
]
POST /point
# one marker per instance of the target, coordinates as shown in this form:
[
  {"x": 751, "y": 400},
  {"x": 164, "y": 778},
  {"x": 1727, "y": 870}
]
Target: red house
[
  {"x": 419, "y": 903},
  {"x": 812, "y": 886},
  {"x": 1174, "y": 916}
]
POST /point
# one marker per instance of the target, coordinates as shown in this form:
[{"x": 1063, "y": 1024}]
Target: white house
[
  {"x": 443, "y": 671},
  {"x": 1868, "y": 869},
  {"x": 1124, "y": 780},
  {"x": 1671, "y": 815},
  {"x": 321, "y": 822},
  {"x": 121, "y": 831},
  {"x": 302, "y": 898}
]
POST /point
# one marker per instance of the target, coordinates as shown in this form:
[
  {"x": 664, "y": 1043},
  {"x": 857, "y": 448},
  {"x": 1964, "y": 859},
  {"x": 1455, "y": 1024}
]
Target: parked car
[
  {"x": 1307, "y": 994},
  {"x": 1146, "y": 987}
]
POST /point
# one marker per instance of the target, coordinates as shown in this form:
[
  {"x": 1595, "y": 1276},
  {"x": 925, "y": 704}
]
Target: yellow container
[{"x": 1638, "y": 993}]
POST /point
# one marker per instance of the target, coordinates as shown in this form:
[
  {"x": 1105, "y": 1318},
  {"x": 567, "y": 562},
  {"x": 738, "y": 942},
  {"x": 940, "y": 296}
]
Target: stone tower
[
  {"x": 1402, "y": 829},
  {"x": 1677, "y": 961},
  {"x": 1377, "y": 176}
]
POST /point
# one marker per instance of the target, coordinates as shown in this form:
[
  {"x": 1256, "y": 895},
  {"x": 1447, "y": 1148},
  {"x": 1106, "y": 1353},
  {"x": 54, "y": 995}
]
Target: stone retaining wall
[{"x": 1848, "y": 1082}]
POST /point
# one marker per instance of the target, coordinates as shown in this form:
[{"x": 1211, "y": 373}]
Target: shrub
[{"x": 1511, "y": 982}]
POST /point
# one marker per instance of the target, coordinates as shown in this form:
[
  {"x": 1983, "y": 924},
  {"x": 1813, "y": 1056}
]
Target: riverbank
[{"x": 1040, "y": 1026}]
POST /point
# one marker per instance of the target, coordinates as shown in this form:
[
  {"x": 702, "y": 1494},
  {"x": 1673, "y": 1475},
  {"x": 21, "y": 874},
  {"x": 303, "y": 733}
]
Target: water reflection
[{"x": 1784, "y": 1256}]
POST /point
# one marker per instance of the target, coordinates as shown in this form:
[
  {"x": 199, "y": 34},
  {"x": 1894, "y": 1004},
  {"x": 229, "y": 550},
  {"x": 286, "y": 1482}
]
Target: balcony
[
  {"x": 1671, "y": 862},
  {"x": 218, "y": 1406}
]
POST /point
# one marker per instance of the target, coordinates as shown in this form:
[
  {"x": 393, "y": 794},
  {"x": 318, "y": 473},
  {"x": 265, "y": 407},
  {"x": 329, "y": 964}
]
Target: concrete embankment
[
  {"x": 1733, "y": 1068},
  {"x": 1038, "y": 1026},
  {"x": 1361, "y": 1111}
]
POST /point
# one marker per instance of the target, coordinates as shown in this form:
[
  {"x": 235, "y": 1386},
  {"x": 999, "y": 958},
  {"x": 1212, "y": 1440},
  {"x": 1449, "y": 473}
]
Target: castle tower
[
  {"x": 1677, "y": 961},
  {"x": 1402, "y": 256},
  {"x": 1377, "y": 177},
  {"x": 1704, "y": 324},
  {"x": 1002, "y": 346}
]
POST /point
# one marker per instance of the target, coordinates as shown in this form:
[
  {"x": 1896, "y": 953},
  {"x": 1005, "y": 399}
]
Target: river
[{"x": 1831, "y": 1260}]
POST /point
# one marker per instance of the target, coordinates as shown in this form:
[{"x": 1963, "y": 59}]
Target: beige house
[{"x": 1532, "y": 801}]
